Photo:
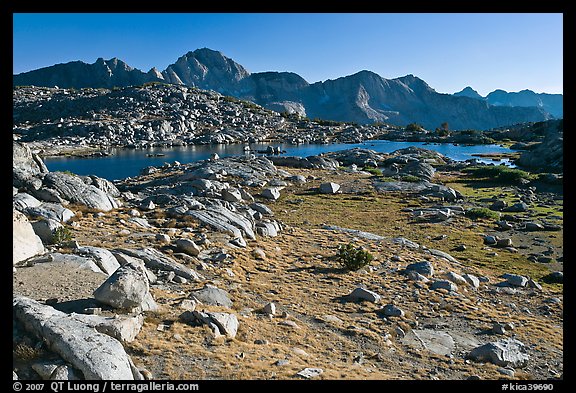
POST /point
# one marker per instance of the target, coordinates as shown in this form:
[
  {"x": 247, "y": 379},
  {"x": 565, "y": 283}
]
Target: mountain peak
[
  {"x": 468, "y": 92},
  {"x": 207, "y": 69},
  {"x": 414, "y": 83}
]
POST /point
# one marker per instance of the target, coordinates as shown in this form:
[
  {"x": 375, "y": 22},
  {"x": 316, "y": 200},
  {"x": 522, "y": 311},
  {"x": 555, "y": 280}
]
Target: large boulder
[
  {"x": 212, "y": 295},
  {"x": 45, "y": 229},
  {"x": 329, "y": 188},
  {"x": 25, "y": 242},
  {"x": 74, "y": 189},
  {"x": 424, "y": 268},
  {"x": 419, "y": 169},
  {"x": 507, "y": 352},
  {"x": 98, "y": 356},
  {"x": 126, "y": 288}
]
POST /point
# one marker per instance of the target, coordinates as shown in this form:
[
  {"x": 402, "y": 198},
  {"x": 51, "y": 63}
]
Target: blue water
[{"x": 125, "y": 163}]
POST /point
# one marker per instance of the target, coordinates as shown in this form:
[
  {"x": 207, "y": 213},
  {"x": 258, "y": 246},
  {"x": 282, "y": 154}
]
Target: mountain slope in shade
[
  {"x": 364, "y": 97},
  {"x": 551, "y": 103},
  {"x": 77, "y": 74}
]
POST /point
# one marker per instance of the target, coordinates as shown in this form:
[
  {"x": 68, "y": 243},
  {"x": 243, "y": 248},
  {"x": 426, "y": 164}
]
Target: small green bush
[
  {"x": 353, "y": 258},
  {"x": 61, "y": 235},
  {"x": 482, "y": 212}
]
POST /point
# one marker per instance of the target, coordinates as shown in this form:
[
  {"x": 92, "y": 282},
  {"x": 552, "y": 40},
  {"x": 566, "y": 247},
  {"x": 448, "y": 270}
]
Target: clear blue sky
[{"x": 511, "y": 51}]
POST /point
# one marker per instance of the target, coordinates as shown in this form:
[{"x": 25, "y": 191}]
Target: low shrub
[
  {"x": 353, "y": 258},
  {"x": 499, "y": 173},
  {"x": 482, "y": 212},
  {"x": 61, "y": 235}
]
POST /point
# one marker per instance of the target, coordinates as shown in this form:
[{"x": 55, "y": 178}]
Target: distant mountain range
[
  {"x": 551, "y": 103},
  {"x": 364, "y": 97}
]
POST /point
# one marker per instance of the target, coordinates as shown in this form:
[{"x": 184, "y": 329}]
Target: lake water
[{"x": 125, "y": 163}]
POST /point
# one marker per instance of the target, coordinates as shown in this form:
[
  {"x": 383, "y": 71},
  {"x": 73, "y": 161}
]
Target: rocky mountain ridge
[
  {"x": 364, "y": 97},
  {"x": 551, "y": 103}
]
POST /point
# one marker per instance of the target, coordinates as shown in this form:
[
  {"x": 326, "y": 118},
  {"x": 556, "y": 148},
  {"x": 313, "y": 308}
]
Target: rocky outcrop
[
  {"x": 47, "y": 192},
  {"x": 27, "y": 167},
  {"x": 74, "y": 189},
  {"x": 98, "y": 356},
  {"x": 548, "y": 155}
]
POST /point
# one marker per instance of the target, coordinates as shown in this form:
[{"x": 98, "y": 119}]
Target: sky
[{"x": 487, "y": 51}]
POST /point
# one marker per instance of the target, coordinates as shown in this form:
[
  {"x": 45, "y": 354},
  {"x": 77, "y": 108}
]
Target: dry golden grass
[{"x": 348, "y": 340}]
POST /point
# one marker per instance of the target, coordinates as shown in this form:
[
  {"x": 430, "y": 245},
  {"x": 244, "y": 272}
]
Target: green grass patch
[
  {"x": 411, "y": 179},
  {"x": 374, "y": 171}
]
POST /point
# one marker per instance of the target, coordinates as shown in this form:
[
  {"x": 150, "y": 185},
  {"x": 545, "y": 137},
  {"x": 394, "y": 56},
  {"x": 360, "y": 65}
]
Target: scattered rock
[
  {"x": 498, "y": 328},
  {"x": 188, "y": 246},
  {"x": 212, "y": 295},
  {"x": 102, "y": 257},
  {"x": 506, "y": 352},
  {"x": 444, "y": 284},
  {"x": 415, "y": 276},
  {"x": 456, "y": 278},
  {"x": 225, "y": 324},
  {"x": 515, "y": 280},
  {"x": 262, "y": 209},
  {"x": 517, "y": 207},
  {"x": 435, "y": 341},
  {"x": 309, "y": 372},
  {"x": 424, "y": 268},
  {"x": 74, "y": 189},
  {"x": 154, "y": 259},
  {"x": 390, "y": 310},
  {"x": 363, "y": 294},
  {"x": 505, "y": 242},
  {"x": 289, "y": 323},
  {"x": 271, "y": 193},
  {"x": 555, "y": 278},
  {"x": 329, "y": 188},
  {"x": 162, "y": 238},
  {"x": 490, "y": 240},
  {"x": 231, "y": 195},
  {"x": 269, "y": 308},
  {"x": 533, "y": 284},
  {"x": 472, "y": 280},
  {"x": 259, "y": 253}
]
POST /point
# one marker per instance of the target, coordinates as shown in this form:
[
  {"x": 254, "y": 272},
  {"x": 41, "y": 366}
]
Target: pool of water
[{"x": 123, "y": 163}]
